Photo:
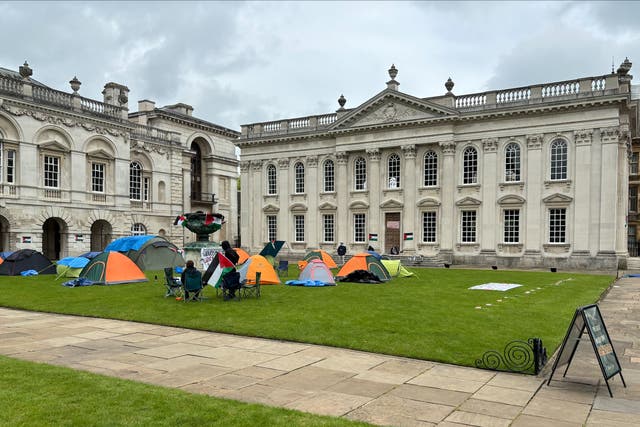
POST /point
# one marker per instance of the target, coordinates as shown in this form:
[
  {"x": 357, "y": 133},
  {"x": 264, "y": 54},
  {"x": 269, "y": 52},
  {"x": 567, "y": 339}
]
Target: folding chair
[
  {"x": 231, "y": 281},
  {"x": 283, "y": 268},
  {"x": 193, "y": 283},
  {"x": 253, "y": 289},
  {"x": 173, "y": 285}
]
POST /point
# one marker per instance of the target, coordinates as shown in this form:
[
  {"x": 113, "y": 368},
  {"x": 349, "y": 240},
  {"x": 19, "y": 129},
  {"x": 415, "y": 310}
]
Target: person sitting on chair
[
  {"x": 231, "y": 283},
  {"x": 230, "y": 253},
  {"x": 189, "y": 274}
]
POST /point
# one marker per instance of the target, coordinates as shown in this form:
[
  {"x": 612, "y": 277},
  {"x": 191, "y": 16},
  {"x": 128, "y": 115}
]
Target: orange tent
[
  {"x": 322, "y": 256},
  {"x": 111, "y": 268},
  {"x": 255, "y": 263},
  {"x": 365, "y": 261},
  {"x": 242, "y": 254}
]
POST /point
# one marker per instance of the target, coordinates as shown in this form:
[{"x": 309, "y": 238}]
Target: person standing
[
  {"x": 342, "y": 251},
  {"x": 230, "y": 253}
]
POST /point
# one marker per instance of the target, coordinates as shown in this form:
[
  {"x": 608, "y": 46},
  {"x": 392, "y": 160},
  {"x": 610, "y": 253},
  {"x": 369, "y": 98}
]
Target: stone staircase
[{"x": 633, "y": 263}]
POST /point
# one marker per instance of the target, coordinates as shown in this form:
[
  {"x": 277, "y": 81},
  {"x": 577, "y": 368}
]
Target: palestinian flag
[
  {"x": 408, "y": 236},
  {"x": 180, "y": 219},
  {"x": 373, "y": 237},
  {"x": 213, "y": 218},
  {"x": 218, "y": 268}
]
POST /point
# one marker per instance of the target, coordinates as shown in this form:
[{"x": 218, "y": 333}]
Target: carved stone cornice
[
  {"x": 148, "y": 147},
  {"x": 534, "y": 142},
  {"x": 610, "y": 135},
  {"x": 342, "y": 157},
  {"x": 409, "y": 151},
  {"x": 490, "y": 145},
  {"x": 283, "y": 163},
  {"x": 245, "y": 165},
  {"x": 312, "y": 161},
  {"x": 373, "y": 154},
  {"x": 583, "y": 137},
  {"x": 448, "y": 148},
  {"x": 256, "y": 165}
]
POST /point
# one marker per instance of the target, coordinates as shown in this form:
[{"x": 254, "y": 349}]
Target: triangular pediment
[
  {"x": 53, "y": 145},
  {"x": 358, "y": 204},
  {"x": 557, "y": 198},
  {"x": 511, "y": 200},
  {"x": 270, "y": 208},
  {"x": 428, "y": 202},
  {"x": 391, "y": 203},
  {"x": 326, "y": 206},
  {"x": 298, "y": 207},
  {"x": 100, "y": 154},
  {"x": 468, "y": 201},
  {"x": 390, "y": 107}
]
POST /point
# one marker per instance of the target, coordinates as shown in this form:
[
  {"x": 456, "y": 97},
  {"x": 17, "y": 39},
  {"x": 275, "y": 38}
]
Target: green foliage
[
  {"x": 39, "y": 395},
  {"x": 433, "y": 316}
]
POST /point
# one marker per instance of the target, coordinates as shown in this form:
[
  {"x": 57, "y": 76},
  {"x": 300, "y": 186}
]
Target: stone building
[
  {"x": 76, "y": 173},
  {"x": 533, "y": 176}
]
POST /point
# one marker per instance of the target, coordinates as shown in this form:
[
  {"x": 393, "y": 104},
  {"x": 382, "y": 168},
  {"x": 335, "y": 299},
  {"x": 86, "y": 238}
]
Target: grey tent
[{"x": 148, "y": 252}]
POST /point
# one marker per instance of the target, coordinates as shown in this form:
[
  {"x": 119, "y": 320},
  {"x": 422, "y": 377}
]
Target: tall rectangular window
[
  {"x": 430, "y": 169},
  {"x": 299, "y": 187},
  {"x": 145, "y": 189},
  {"x": 557, "y": 225},
  {"x": 298, "y": 221},
  {"x": 97, "y": 177},
  {"x": 328, "y": 230},
  {"x": 633, "y": 199},
  {"x": 511, "y": 225},
  {"x": 272, "y": 183},
  {"x": 329, "y": 177},
  {"x": 272, "y": 227},
  {"x": 359, "y": 227},
  {"x": 468, "y": 226},
  {"x": 558, "y": 160},
  {"x": 360, "y": 174},
  {"x": 11, "y": 166},
  {"x": 429, "y": 227},
  {"x": 633, "y": 166},
  {"x": 51, "y": 172}
]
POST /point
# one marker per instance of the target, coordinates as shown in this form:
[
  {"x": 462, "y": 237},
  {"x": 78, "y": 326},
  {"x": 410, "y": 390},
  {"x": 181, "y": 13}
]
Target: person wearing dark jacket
[
  {"x": 230, "y": 285},
  {"x": 194, "y": 277},
  {"x": 231, "y": 254}
]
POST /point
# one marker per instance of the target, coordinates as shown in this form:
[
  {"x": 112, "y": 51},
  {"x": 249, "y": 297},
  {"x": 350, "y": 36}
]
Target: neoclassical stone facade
[
  {"x": 526, "y": 177},
  {"x": 76, "y": 172}
]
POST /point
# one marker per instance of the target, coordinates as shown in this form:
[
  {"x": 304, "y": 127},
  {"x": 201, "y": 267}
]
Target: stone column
[
  {"x": 314, "y": 222},
  {"x": 489, "y": 185},
  {"x": 624, "y": 148},
  {"x": 342, "y": 198},
  {"x": 609, "y": 138},
  {"x": 246, "y": 225},
  {"x": 582, "y": 193},
  {"x": 374, "y": 177},
  {"x": 535, "y": 225},
  {"x": 410, "y": 190},
  {"x": 448, "y": 191},
  {"x": 257, "y": 217},
  {"x": 285, "y": 231}
]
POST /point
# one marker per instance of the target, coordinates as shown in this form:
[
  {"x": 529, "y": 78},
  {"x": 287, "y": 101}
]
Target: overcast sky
[{"x": 239, "y": 63}]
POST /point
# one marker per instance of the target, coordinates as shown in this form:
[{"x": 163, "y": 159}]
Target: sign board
[{"x": 589, "y": 318}]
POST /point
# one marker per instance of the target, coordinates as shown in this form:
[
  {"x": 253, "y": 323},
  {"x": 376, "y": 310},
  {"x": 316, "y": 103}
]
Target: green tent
[
  {"x": 396, "y": 269},
  {"x": 148, "y": 252}
]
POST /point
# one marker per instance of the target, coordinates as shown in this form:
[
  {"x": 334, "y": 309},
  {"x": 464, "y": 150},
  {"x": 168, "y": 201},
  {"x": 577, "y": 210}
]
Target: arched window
[
  {"x": 360, "y": 174},
  {"x": 135, "y": 181},
  {"x": 393, "y": 170},
  {"x": 329, "y": 176},
  {"x": 196, "y": 172},
  {"x": 299, "y": 168},
  {"x": 138, "y": 229},
  {"x": 272, "y": 184},
  {"x": 470, "y": 166},
  {"x": 430, "y": 169},
  {"x": 512, "y": 162},
  {"x": 558, "y": 159}
]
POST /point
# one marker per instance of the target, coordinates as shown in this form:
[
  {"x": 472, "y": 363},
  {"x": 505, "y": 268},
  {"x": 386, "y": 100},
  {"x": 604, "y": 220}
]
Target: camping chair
[
  {"x": 193, "y": 283},
  {"x": 173, "y": 285},
  {"x": 231, "y": 280},
  {"x": 249, "y": 290},
  {"x": 283, "y": 268}
]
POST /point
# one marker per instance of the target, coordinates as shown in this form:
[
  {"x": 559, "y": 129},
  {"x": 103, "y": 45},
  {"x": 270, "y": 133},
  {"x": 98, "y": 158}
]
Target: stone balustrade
[
  {"x": 147, "y": 133},
  {"x": 301, "y": 124}
]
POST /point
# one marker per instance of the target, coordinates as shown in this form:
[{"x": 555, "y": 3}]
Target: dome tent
[
  {"x": 148, "y": 252},
  {"x": 112, "y": 268},
  {"x": 26, "y": 259},
  {"x": 322, "y": 256},
  {"x": 365, "y": 261}
]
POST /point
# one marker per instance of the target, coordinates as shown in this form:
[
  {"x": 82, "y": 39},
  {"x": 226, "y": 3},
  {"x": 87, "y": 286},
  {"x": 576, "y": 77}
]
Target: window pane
[
  {"x": 394, "y": 171},
  {"x": 329, "y": 178},
  {"x": 51, "y": 171},
  {"x": 512, "y": 225},
  {"x": 328, "y": 228},
  {"x": 468, "y": 226},
  {"x": 360, "y": 174},
  {"x": 512, "y": 163},
  {"x": 299, "y": 228},
  {"x": 633, "y": 167},
  {"x": 138, "y": 229},
  {"x": 557, "y": 225},
  {"x": 97, "y": 177},
  {"x": 429, "y": 227},
  {"x": 430, "y": 169},
  {"x": 470, "y": 166},
  {"x": 272, "y": 185},
  {"x": 135, "y": 181},
  {"x": 359, "y": 226},
  {"x": 11, "y": 166},
  {"x": 272, "y": 227},
  {"x": 558, "y": 160},
  {"x": 633, "y": 199},
  {"x": 299, "y": 178}
]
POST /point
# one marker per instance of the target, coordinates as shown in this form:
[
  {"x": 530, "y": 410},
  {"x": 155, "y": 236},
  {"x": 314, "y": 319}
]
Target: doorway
[
  {"x": 52, "y": 244},
  {"x": 100, "y": 235},
  {"x": 392, "y": 232}
]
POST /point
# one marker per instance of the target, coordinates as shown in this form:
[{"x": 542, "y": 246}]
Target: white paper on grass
[{"x": 495, "y": 286}]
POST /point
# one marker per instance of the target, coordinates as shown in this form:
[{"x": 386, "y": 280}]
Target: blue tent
[
  {"x": 148, "y": 252},
  {"x": 91, "y": 255}
]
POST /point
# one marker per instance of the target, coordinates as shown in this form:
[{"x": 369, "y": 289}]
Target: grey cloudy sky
[{"x": 239, "y": 63}]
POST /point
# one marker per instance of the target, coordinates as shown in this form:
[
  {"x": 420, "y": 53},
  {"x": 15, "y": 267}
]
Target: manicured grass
[
  {"x": 34, "y": 394},
  {"x": 432, "y": 317}
]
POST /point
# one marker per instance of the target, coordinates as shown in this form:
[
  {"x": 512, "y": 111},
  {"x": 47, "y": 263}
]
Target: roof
[
  {"x": 15, "y": 75},
  {"x": 166, "y": 112}
]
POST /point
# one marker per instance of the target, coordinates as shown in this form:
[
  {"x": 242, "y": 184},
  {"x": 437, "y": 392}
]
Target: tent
[
  {"x": 148, "y": 252},
  {"x": 91, "y": 255},
  {"x": 259, "y": 263},
  {"x": 396, "y": 269},
  {"x": 71, "y": 266},
  {"x": 244, "y": 255},
  {"x": 322, "y": 256},
  {"x": 26, "y": 259},
  {"x": 218, "y": 267},
  {"x": 111, "y": 268},
  {"x": 272, "y": 248},
  {"x": 317, "y": 271},
  {"x": 365, "y": 261}
]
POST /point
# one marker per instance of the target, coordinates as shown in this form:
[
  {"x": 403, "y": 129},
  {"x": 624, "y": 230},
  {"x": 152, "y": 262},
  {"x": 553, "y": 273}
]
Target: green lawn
[
  {"x": 433, "y": 317},
  {"x": 34, "y": 394}
]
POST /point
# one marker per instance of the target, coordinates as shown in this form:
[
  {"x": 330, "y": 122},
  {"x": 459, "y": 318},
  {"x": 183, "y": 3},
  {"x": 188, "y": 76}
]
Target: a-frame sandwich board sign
[{"x": 589, "y": 318}]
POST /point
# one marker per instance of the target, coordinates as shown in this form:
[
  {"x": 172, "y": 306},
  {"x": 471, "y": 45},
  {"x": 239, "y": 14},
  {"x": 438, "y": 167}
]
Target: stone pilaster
[
  {"x": 534, "y": 180},
  {"x": 314, "y": 223},
  {"x": 489, "y": 186},
  {"x": 284, "y": 218},
  {"x": 246, "y": 225},
  {"x": 410, "y": 189},
  {"x": 582, "y": 190},
  {"x": 257, "y": 193},
  {"x": 609, "y": 138},
  {"x": 448, "y": 190},
  {"x": 374, "y": 178},
  {"x": 342, "y": 197}
]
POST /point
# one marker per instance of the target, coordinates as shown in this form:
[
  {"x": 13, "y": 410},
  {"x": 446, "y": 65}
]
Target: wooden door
[{"x": 391, "y": 231}]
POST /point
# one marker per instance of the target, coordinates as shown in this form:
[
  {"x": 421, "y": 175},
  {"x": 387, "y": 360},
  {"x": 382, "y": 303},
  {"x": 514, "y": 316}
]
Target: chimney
[
  {"x": 116, "y": 94},
  {"x": 145, "y": 106}
]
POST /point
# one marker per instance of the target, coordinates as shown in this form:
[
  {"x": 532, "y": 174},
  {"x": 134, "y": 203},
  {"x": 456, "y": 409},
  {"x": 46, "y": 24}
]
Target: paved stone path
[{"x": 356, "y": 385}]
